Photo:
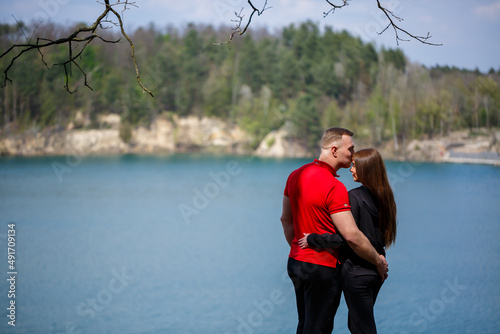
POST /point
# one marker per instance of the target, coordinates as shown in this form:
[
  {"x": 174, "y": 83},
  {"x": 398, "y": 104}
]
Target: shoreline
[
  {"x": 191, "y": 135},
  {"x": 471, "y": 160},
  {"x": 474, "y": 158}
]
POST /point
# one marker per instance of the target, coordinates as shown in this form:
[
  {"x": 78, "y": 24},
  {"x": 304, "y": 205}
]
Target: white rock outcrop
[
  {"x": 280, "y": 144},
  {"x": 165, "y": 134}
]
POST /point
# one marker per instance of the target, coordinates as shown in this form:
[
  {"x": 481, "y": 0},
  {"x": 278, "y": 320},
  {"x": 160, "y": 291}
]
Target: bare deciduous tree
[
  {"x": 76, "y": 43},
  {"x": 79, "y": 39}
]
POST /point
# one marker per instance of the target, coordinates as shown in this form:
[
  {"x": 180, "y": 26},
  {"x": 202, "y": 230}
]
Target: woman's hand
[{"x": 303, "y": 241}]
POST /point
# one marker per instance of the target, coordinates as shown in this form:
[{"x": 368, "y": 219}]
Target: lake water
[{"x": 193, "y": 244}]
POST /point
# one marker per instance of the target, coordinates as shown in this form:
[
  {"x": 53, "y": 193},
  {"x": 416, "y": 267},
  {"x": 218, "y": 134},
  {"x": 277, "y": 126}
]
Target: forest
[{"x": 310, "y": 77}]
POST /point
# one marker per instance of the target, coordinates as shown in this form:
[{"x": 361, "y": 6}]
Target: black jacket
[{"x": 366, "y": 214}]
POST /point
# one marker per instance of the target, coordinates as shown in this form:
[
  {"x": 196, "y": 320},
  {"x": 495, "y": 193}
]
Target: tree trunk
[
  {"x": 6, "y": 105},
  {"x": 476, "y": 109},
  {"x": 14, "y": 104},
  {"x": 485, "y": 102},
  {"x": 431, "y": 125},
  {"x": 394, "y": 133},
  {"x": 234, "y": 92}
]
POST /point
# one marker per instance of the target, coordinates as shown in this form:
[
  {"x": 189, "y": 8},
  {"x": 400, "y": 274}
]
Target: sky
[{"x": 469, "y": 31}]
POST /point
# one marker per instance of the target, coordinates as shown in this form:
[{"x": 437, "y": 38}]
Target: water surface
[{"x": 193, "y": 244}]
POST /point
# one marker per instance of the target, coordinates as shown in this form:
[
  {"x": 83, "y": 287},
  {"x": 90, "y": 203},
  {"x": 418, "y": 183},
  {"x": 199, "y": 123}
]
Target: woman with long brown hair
[{"x": 374, "y": 210}]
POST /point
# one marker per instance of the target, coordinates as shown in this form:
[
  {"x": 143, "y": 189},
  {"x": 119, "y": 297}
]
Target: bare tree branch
[
  {"x": 82, "y": 36},
  {"x": 343, "y": 3},
  {"x": 144, "y": 89},
  {"x": 390, "y": 16},
  {"x": 238, "y": 28}
]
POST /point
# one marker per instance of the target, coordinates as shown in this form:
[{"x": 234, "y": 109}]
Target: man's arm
[
  {"x": 345, "y": 224},
  {"x": 287, "y": 220},
  {"x": 325, "y": 240}
]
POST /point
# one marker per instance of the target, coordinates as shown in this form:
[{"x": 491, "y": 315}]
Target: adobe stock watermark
[
  {"x": 375, "y": 27},
  {"x": 419, "y": 153},
  {"x": 405, "y": 170},
  {"x": 263, "y": 310},
  {"x": 202, "y": 196},
  {"x": 76, "y": 156},
  {"x": 48, "y": 10},
  {"x": 421, "y": 320},
  {"x": 226, "y": 9},
  {"x": 89, "y": 309}
]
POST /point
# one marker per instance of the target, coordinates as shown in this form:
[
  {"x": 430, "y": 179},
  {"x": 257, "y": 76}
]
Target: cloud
[{"x": 491, "y": 12}]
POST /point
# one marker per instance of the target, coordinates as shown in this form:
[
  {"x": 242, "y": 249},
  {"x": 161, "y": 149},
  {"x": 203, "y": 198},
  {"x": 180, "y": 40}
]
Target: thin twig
[
  {"x": 238, "y": 29},
  {"x": 17, "y": 50},
  {"x": 345, "y": 3},
  {"x": 390, "y": 15},
  {"x": 144, "y": 89}
]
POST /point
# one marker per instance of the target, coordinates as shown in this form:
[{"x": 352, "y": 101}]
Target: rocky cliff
[
  {"x": 173, "y": 134},
  {"x": 166, "y": 134}
]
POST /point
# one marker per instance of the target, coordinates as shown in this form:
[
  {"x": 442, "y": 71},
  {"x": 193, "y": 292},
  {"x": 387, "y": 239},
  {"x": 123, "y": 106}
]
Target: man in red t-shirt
[{"x": 315, "y": 201}]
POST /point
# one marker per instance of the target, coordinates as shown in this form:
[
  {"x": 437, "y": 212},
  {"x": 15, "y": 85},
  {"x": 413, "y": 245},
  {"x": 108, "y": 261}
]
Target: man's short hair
[{"x": 333, "y": 135}]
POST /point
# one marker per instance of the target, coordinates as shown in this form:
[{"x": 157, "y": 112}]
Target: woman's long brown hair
[{"x": 371, "y": 172}]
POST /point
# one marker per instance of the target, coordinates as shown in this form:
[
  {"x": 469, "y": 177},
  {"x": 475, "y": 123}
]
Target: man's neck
[{"x": 327, "y": 158}]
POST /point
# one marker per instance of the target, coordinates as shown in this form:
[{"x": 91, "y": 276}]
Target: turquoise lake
[{"x": 183, "y": 244}]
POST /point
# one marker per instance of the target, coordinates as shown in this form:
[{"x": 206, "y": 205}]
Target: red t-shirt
[{"x": 315, "y": 194}]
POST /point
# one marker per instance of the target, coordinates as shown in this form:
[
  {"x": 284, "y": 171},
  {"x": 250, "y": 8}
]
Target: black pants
[
  {"x": 317, "y": 290},
  {"x": 360, "y": 287}
]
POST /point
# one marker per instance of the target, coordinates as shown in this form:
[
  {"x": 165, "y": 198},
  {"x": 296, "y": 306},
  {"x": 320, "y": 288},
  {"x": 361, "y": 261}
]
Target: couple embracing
[{"x": 337, "y": 238}]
